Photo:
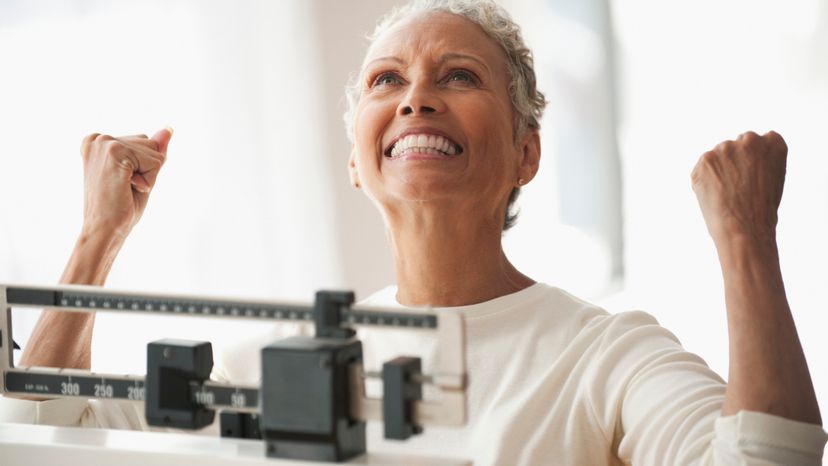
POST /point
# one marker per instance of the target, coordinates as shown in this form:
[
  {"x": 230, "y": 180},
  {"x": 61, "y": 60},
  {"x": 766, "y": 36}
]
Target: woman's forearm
[
  {"x": 64, "y": 339},
  {"x": 768, "y": 372},
  {"x": 119, "y": 174}
]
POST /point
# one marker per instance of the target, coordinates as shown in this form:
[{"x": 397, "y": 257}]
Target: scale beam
[{"x": 94, "y": 299}]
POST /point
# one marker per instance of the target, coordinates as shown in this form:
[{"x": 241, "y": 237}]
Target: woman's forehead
[{"x": 436, "y": 34}]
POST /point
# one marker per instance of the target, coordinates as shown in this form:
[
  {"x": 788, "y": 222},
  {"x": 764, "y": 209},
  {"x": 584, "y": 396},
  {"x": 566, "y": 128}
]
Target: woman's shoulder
[
  {"x": 562, "y": 306},
  {"x": 541, "y": 300},
  {"x": 585, "y": 324},
  {"x": 614, "y": 324}
]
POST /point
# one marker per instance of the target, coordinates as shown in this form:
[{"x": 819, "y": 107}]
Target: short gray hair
[{"x": 527, "y": 101}]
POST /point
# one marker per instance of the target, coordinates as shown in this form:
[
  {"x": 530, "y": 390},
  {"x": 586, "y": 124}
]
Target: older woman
[{"x": 444, "y": 124}]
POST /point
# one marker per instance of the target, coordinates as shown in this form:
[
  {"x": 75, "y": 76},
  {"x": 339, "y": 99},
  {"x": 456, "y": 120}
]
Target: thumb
[{"x": 162, "y": 139}]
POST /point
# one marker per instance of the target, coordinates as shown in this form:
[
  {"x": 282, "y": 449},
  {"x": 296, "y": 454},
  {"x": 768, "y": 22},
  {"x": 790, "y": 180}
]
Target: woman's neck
[{"x": 450, "y": 259}]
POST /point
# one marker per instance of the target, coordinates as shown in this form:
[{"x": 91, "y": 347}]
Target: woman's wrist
[
  {"x": 95, "y": 251},
  {"x": 750, "y": 260},
  {"x": 102, "y": 230},
  {"x": 742, "y": 245}
]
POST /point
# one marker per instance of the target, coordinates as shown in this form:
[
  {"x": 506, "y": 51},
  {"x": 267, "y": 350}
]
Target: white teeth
[{"x": 425, "y": 143}]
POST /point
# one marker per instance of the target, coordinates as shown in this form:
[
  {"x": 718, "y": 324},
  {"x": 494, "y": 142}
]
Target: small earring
[{"x": 520, "y": 182}]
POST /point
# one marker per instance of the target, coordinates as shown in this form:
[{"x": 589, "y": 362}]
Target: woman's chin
[{"x": 421, "y": 189}]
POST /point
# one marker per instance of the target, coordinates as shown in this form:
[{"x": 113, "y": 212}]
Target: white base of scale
[{"x": 27, "y": 445}]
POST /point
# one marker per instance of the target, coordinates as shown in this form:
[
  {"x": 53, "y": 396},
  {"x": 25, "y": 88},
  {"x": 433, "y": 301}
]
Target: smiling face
[{"x": 435, "y": 122}]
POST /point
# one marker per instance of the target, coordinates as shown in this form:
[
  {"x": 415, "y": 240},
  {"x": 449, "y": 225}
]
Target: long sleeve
[
  {"x": 73, "y": 412},
  {"x": 661, "y": 405},
  {"x": 79, "y": 412}
]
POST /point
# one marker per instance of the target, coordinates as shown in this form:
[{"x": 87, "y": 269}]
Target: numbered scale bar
[
  {"x": 118, "y": 301},
  {"x": 45, "y": 383},
  {"x": 214, "y": 395}
]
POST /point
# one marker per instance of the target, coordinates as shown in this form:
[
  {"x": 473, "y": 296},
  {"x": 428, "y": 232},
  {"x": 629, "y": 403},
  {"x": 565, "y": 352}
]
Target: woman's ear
[
  {"x": 352, "y": 169},
  {"x": 529, "y": 162}
]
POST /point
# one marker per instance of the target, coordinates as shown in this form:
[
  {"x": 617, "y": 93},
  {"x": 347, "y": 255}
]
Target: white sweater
[{"x": 553, "y": 380}]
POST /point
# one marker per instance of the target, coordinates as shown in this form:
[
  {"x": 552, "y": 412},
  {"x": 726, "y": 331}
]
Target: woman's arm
[
  {"x": 739, "y": 188},
  {"x": 118, "y": 176},
  {"x": 64, "y": 339}
]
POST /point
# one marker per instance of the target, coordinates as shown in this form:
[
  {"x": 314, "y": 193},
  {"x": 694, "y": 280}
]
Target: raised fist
[
  {"x": 739, "y": 186},
  {"x": 119, "y": 174}
]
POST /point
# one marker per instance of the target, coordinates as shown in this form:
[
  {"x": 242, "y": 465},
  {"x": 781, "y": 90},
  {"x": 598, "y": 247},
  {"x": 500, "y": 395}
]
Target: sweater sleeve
[
  {"x": 660, "y": 404},
  {"x": 74, "y": 412},
  {"x": 79, "y": 412}
]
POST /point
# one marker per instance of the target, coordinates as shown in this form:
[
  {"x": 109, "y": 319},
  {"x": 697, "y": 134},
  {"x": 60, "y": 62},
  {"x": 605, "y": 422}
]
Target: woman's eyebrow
[
  {"x": 444, "y": 58},
  {"x": 454, "y": 56},
  {"x": 388, "y": 58}
]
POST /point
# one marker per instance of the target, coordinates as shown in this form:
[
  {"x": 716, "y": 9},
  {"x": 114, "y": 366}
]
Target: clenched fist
[
  {"x": 119, "y": 174},
  {"x": 739, "y": 186}
]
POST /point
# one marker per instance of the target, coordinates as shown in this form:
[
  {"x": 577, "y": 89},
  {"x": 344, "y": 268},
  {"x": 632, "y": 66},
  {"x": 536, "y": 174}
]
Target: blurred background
[{"x": 255, "y": 201}]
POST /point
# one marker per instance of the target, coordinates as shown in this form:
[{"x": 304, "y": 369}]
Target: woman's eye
[
  {"x": 461, "y": 76},
  {"x": 386, "y": 79}
]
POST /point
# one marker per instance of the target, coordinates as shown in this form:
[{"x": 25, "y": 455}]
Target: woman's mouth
[{"x": 422, "y": 143}]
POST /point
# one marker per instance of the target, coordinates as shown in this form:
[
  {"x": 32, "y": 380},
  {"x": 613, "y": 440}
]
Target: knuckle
[
  {"x": 749, "y": 136},
  {"x": 113, "y": 147},
  {"x": 89, "y": 139},
  {"x": 708, "y": 157},
  {"x": 93, "y": 143},
  {"x": 110, "y": 147},
  {"x": 86, "y": 144},
  {"x": 98, "y": 140},
  {"x": 750, "y": 139},
  {"x": 724, "y": 147},
  {"x": 776, "y": 139},
  {"x": 127, "y": 160}
]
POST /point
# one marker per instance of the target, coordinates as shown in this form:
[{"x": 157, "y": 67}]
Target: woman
[{"x": 444, "y": 124}]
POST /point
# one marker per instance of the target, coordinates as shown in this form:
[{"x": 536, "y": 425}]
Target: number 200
[{"x": 135, "y": 393}]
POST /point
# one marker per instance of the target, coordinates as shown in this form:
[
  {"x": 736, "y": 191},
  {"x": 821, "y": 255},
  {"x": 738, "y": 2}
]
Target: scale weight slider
[
  {"x": 172, "y": 366},
  {"x": 305, "y": 410}
]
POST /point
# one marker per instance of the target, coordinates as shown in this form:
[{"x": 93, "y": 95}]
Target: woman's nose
[
  {"x": 420, "y": 100},
  {"x": 408, "y": 110}
]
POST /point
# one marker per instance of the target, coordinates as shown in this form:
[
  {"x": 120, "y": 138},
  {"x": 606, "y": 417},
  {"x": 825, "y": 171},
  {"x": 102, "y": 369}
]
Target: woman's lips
[
  {"x": 422, "y": 142},
  {"x": 416, "y": 154}
]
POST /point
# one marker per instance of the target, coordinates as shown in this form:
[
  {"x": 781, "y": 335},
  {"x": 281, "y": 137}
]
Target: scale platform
[{"x": 27, "y": 445}]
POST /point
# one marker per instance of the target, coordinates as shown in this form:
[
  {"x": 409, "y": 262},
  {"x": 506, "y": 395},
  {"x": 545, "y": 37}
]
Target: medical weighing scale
[{"x": 311, "y": 404}]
